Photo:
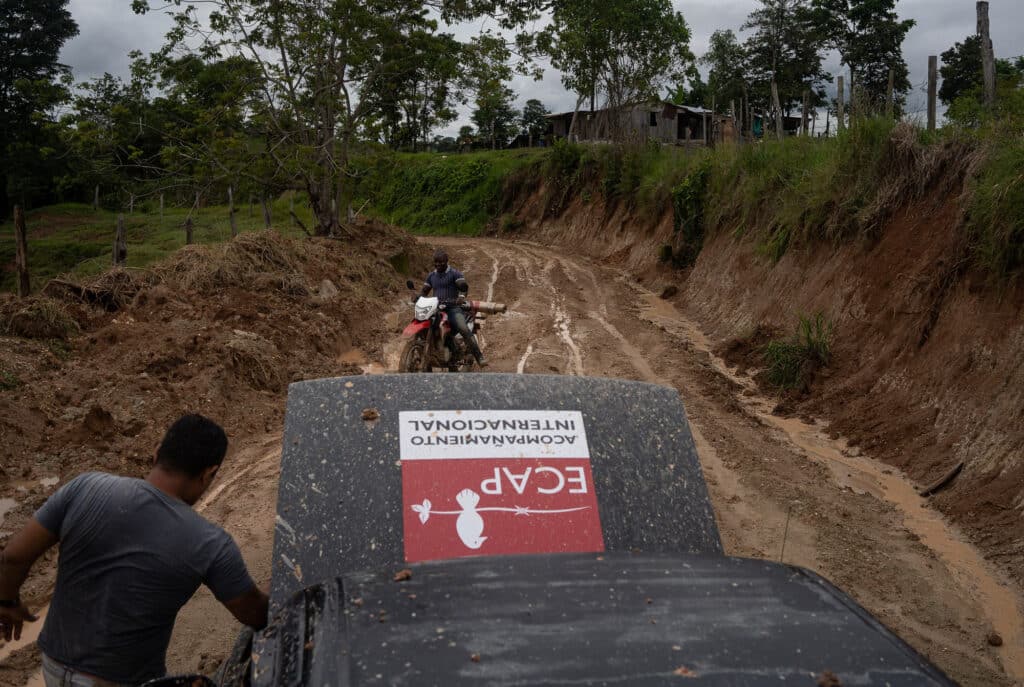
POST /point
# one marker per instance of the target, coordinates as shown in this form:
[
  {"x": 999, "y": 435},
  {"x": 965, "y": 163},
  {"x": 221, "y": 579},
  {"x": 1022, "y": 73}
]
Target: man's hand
[
  {"x": 250, "y": 608},
  {"x": 11, "y": 620},
  {"x": 22, "y": 551}
]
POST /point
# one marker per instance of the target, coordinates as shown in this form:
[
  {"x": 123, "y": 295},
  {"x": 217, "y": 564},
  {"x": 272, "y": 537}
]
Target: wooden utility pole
[
  {"x": 854, "y": 104},
  {"x": 21, "y": 251},
  {"x": 988, "y": 57},
  {"x": 841, "y": 121},
  {"x": 890, "y": 100},
  {"x": 120, "y": 242},
  {"x": 933, "y": 89},
  {"x": 188, "y": 230},
  {"x": 805, "y": 113},
  {"x": 231, "y": 212},
  {"x": 778, "y": 110}
]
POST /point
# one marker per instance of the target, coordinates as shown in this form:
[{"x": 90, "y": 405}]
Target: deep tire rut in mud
[{"x": 781, "y": 488}]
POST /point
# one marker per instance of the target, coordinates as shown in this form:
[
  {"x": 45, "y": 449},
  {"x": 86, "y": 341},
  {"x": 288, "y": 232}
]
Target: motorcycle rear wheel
[{"x": 414, "y": 356}]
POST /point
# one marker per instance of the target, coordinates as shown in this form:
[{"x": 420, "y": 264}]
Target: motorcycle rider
[{"x": 442, "y": 280}]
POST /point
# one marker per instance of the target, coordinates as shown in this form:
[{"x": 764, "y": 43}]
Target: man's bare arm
[
  {"x": 22, "y": 551},
  {"x": 250, "y": 608}
]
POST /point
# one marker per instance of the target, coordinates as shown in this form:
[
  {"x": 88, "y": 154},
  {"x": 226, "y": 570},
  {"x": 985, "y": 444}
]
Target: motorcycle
[{"x": 432, "y": 342}]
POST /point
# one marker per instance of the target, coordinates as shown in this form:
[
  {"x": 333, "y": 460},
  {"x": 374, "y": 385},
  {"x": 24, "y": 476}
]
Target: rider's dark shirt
[{"x": 443, "y": 284}]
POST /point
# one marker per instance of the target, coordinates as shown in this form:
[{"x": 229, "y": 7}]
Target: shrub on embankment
[{"x": 780, "y": 194}]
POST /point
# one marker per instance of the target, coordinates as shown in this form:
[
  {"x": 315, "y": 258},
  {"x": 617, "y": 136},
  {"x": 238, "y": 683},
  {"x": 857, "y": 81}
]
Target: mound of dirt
[
  {"x": 93, "y": 374},
  {"x": 255, "y": 360},
  {"x": 36, "y": 318}
]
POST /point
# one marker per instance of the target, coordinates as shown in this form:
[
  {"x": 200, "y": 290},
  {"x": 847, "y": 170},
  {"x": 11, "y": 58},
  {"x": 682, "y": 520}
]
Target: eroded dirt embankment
[{"x": 928, "y": 368}]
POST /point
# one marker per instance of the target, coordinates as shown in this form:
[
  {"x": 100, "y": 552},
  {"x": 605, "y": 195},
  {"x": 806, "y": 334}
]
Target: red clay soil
[
  {"x": 927, "y": 369},
  {"x": 220, "y": 331}
]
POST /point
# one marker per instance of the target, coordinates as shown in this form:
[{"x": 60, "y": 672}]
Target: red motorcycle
[{"x": 432, "y": 343}]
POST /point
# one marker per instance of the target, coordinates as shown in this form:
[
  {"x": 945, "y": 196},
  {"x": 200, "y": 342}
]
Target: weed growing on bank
[
  {"x": 995, "y": 217},
  {"x": 791, "y": 363}
]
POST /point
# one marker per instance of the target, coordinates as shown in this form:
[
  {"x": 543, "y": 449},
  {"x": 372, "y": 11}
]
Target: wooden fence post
[
  {"x": 266, "y": 212},
  {"x": 988, "y": 57},
  {"x": 933, "y": 82},
  {"x": 21, "y": 251},
  {"x": 231, "y": 212},
  {"x": 805, "y": 113},
  {"x": 188, "y": 230},
  {"x": 890, "y": 99},
  {"x": 841, "y": 121},
  {"x": 120, "y": 242},
  {"x": 778, "y": 110}
]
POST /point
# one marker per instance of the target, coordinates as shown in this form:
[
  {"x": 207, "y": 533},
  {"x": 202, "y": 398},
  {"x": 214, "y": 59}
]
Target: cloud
[{"x": 107, "y": 31}]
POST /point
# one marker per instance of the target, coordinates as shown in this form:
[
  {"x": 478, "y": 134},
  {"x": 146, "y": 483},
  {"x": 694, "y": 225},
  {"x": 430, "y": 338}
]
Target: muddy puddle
[{"x": 861, "y": 474}]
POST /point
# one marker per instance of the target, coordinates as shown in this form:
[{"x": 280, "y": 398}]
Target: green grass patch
[
  {"x": 430, "y": 193},
  {"x": 791, "y": 363},
  {"x": 996, "y": 212},
  {"x": 76, "y": 240}
]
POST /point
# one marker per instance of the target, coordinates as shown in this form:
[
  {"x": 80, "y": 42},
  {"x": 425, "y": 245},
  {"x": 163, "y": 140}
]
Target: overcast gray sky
[{"x": 108, "y": 31}]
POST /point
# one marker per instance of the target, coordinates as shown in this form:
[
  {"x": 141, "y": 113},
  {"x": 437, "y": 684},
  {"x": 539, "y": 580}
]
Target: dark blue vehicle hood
[{"x": 609, "y": 619}]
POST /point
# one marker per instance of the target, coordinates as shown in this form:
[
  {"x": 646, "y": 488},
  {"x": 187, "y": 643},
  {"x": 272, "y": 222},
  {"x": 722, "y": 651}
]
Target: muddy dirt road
[
  {"x": 782, "y": 489},
  {"x": 855, "y": 521}
]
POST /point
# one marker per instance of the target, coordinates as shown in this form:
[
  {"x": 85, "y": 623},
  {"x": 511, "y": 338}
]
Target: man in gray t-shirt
[{"x": 132, "y": 552}]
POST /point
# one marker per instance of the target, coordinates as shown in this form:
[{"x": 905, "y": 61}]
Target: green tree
[
  {"x": 314, "y": 58},
  {"x": 727, "y": 63},
  {"x": 786, "y": 48},
  {"x": 533, "y": 119},
  {"x": 692, "y": 91},
  {"x": 869, "y": 38},
  {"x": 418, "y": 94},
  {"x": 961, "y": 71},
  {"x": 493, "y": 115},
  {"x": 32, "y": 84},
  {"x": 618, "y": 53}
]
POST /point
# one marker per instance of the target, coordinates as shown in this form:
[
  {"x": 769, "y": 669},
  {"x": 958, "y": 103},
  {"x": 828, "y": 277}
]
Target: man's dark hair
[
  {"x": 191, "y": 445},
  {"x": 440, "y": 254}
]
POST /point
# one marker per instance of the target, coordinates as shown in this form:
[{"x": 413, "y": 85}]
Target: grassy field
[{"x": 77, "y": 240}]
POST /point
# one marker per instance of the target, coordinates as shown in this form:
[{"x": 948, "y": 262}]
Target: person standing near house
[{"x": 132, "y": 552}]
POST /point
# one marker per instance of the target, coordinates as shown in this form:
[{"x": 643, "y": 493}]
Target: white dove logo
[{"x": 470, "y": 525}]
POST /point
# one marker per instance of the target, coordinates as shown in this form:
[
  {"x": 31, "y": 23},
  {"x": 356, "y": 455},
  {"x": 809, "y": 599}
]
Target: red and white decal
[{"x": 487, "y": 482}]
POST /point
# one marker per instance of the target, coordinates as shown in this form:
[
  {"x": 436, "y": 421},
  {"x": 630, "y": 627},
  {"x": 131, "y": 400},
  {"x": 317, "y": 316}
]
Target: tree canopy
[
  {"x": 32, "y": 84},
  {"x": 869, "y": 37}
]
